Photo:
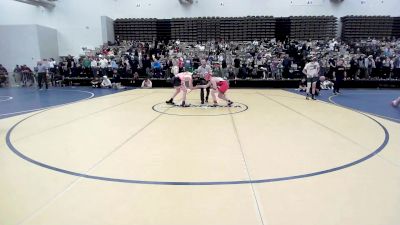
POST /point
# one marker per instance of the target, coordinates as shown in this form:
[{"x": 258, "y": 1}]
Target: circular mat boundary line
[{"x": 198, "y": 183}]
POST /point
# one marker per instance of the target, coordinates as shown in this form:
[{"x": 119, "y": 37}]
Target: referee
[{"x": 201, "y": 72}]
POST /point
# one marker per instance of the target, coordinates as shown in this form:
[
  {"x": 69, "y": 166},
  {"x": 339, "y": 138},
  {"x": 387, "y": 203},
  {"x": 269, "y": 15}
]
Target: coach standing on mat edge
[{"x": 201, "y": 72}]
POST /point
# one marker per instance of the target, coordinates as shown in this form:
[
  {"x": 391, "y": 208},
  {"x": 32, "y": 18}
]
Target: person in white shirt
[
  {"x": 311, "y": 70},
  {"x": 106, "y": 83},
  {"x": 52, "y": 65},
  {"x": 93, "y": 66},
  {"x": 147, "y": 83},
  {"x": 103, "y": 65}
]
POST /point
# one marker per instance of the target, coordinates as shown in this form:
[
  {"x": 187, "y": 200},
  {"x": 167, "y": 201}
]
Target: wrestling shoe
[{"x": 185, "y": 105}]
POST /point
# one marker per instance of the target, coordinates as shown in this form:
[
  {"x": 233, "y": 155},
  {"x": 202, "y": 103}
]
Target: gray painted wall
[
  {"x": 26, "y": 44},
  {"x": 107, "y": 29},
  {"x": 48, "y": 42},
  {"x": 19, "y": 45}
]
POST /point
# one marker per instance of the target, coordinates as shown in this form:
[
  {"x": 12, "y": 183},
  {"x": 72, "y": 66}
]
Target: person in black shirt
[
  {"x": 287, "y": 63},
  {"x": 237, "y": 66},
  {"x": 146, "y": 62},
  {"x": 353, "y": 68},
  {"x": 332, "y": 67},
  {"x": 339, "y": 74},
  {"x": 377, "y": 72},
  {"x": 196, "y": 62}
]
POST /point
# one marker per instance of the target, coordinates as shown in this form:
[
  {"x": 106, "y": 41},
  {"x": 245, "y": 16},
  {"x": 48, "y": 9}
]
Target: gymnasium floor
[{"x": 105, "y": 157}]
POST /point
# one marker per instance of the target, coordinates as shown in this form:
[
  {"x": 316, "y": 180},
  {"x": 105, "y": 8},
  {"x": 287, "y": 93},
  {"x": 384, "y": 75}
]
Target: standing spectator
[
  {"x": 311, "y": 70},
  {"x": 396, "y": 67},
  {"x": 353, "y": 68},
  {"x": 180, "y": 64},
  {"x": 196, "y": 62},
  {"x": 146, "y": 62},
  {"x": 42, "y": 70},
  {"x": 86, "y": 64},
  {"x": 94, "y": 66},
  {"x": 17, "y": 74},
  {"x": 104, "y": 66},
  {"x": 70, "y": 62},
  {"x": 332, "y": 65},
  {"x": 377, "y": 72},
  {"x": 339, "y": 75},
  {"x": 369, "y": 65},
  {"x": 156, "y": 65},
  {"x": 286, "y": 63},
  {"x": 188, "y": 64},
  {"x": 52, "y": 70},
  {"x": 361, "y": 66},
  {"x": 323, "y": 64},
  {"x": 236, "y": 69},
  {"x": 52, "y": 66},
  {"x": 386, "y": 67}
]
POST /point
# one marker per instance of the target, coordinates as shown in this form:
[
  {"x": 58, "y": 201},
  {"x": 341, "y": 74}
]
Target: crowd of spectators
[
  {"x": 264, "y": 59},
  {"x": 259, "y": 59}
]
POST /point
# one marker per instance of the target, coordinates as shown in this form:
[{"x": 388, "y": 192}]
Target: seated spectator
[
  {"x": 96, "y": 82},
  {"x": 302, "y": 85},
  {"x": 106, "y": 83},
  {"x": 117, "y": 81},
  {"x": 327, "y": 85},
  {"x": 147, "y": 83},
  {"x": 135, "y": 78},
  {"x": 27, "y": 76},
  {"x": 3, "y": 76}
]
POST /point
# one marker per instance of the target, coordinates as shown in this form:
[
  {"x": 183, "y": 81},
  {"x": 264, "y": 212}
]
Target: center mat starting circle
[{"x": 200, "y": 110}]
